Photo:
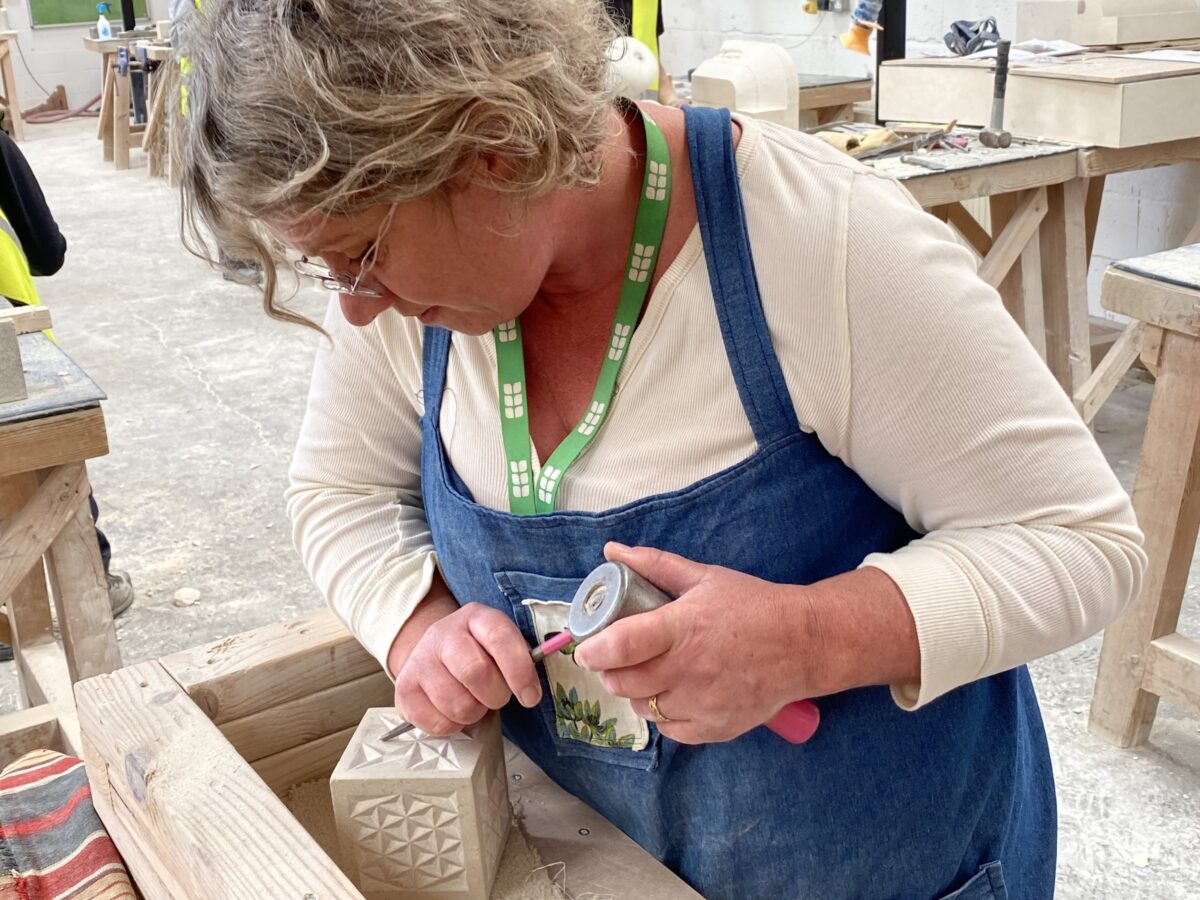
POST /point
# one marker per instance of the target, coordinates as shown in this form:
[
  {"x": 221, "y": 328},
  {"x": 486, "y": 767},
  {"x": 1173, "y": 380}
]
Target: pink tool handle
[{"x": 797, "y": 721}]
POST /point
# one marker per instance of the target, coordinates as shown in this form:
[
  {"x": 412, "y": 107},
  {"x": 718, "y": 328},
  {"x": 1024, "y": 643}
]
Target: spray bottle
[{"x": 103, "y": 28}]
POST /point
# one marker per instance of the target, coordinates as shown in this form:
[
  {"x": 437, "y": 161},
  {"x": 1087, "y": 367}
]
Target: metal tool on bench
[{"x": 994, "y": 136}]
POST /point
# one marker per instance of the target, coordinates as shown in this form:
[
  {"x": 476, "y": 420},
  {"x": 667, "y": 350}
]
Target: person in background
[
  {"x": 622, "y": 13},
  {"x": 32, "y": 245}
]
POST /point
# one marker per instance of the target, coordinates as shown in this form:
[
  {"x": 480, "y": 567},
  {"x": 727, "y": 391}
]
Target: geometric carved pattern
[
  {"x": 413, "y": 842},
  {"x": 414, "y": 750}
]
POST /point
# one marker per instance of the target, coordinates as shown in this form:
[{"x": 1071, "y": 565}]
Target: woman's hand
[
  {"x": 721, "y": 659},
  {"x": 454, "y": 664},
  {"x": 732, "y": 650}
]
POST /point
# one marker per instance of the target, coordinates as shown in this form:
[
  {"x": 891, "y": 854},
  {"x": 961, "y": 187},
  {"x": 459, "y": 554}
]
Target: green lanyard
[{"x": 524, "y": 496}]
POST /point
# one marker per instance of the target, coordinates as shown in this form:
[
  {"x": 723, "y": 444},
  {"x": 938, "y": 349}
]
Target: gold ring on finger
[{"x": 658, "y": 716}]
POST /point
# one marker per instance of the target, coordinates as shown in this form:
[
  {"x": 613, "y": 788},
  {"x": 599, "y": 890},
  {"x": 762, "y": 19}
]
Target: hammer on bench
[{"x": 994, "y": 136}]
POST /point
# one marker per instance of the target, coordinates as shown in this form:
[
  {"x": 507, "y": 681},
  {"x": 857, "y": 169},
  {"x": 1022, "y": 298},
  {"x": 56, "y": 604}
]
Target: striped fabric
[{"x": 52, "y": 843}]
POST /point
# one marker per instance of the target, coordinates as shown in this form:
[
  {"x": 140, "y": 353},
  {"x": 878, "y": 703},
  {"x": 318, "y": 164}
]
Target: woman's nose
[{"x": 362, "y": 311}]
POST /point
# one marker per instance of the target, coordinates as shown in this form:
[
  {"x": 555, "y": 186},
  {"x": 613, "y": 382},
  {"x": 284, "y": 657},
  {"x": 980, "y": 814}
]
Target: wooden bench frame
[{"x": 187, "y": 758}]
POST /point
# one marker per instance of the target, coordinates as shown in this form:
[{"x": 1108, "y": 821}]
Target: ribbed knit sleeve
[
  {"x": 1031, "y": 543},
  {"x": 355, "y": 494}
]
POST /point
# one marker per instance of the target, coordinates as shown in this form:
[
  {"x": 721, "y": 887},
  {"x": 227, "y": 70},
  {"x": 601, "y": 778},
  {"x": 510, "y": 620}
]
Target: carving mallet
[
  {"x": 994, "y": 135},
  {"x": 614, "y": 591}
]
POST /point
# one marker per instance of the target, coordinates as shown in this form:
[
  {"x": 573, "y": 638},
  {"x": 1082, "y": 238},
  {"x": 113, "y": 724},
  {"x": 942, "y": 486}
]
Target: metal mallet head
[
  {"x": 994, "y": 135},
  {"x": 612, "y": 591}
]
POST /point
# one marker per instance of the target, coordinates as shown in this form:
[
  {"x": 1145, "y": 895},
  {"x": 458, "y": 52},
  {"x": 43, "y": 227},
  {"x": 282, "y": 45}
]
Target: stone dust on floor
[
  {"x": 521, "y": 875},
  {"x": 205, "y": 399}
]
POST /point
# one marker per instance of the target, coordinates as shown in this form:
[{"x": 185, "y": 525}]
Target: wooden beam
[
  {"x": 50, "y": 683},
  {"x": 1105, "y": 378},
  {"x": 1008, "y": 244},
  {"x": 52, "y": 441},
  {"x": 29, "y": 729},
  {"x": 259, "y": 669},
  {"x": 28, "y": 534},
  {"x": 1173, "y": 670},
  {"x": 1154, "y": 302},
  {"x": 29, "y": 605},
  {"x": 1095, "y": 161},
  {"x": 1064, "y": 275},
  {"x": 190, "y": 801},
  {"x": 968, "y": 226},
  {"x": 305, "y": 719},
  {"x": 940, "y": 188},
  {"x": 315, "y": 759},
  {"x": 80, "y": 588},
  {"x": 1091, "y": 215},
  {"x": 28, "y": 319},
  {"x": 1151, "y": 353}
]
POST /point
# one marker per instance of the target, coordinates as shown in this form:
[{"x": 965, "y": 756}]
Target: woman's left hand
[{"x": 721, "y": 659}]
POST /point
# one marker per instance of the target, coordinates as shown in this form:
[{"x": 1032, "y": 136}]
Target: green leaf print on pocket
[{"x": 580, "y": 720}]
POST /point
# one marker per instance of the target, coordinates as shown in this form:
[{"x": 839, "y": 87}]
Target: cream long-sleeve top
[{"x": 900, "y": 359}]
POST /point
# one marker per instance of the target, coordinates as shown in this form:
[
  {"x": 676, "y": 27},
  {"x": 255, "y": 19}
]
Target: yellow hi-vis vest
[
  {"x": 644, "y": 28},
  {"x": 16, "y": 283}
]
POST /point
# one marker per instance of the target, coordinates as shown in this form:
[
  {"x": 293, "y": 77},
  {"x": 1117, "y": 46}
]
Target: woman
[{"x": 725, "y": 355}]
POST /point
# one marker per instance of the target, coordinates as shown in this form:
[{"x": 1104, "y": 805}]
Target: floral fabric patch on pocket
[{"x": 583, "y": 709}]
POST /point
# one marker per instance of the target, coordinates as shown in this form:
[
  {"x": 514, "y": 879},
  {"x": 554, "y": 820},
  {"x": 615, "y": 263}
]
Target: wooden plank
[
  {"x": 1166, "y": 499},
  {"x": 1091, "y": 215},
  {"x": 822, "y": 96},
  {"x": 1033, "y": 300},
  {"x": 10, "y": 91},
  {"x": 52, "y": 441},
  {"x": 1008, "y": 244},
  {"x": 105, "y": 132},
  {"x": 29, "y": 729},
  {"x": 259, "y": 669},
  {"x": 193, "y": 803},
  {"x": 28, "y": 533},
  {"x": 1152, "y": 349},
  {"x": 1104, "y": 380},
  {"x": 1064, "y": 276},
  {"x": 968, "y": 226},
  {"x": 1173, "y": 670},
  {"x": 28, "y": 611},
  {"x": 315, "y": 759},
  {"x": 305, "y": 719},
  {"x": 1094, "y": 161},
  {"x": 606, "y": 863},
  {"x": 938, "y": 188},
  {"x": 1154, "y": 302},
  {"x": 50, "y": 682},
  {"x": 80, "y": 589},
  {"x": 120, "y": 116},
  {"x": 28, "y": 319}
]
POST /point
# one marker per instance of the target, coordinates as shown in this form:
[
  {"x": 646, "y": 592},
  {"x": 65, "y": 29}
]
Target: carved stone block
[{"x": 421, "y": 816}]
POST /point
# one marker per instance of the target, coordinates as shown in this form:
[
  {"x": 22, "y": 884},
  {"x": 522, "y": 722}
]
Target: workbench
[
  {"x": 1143, "y": 657},
  {"x": 188, "y": 758},
  {"x": 830, "y": 98},
  {"x": 47, "y": 534}
]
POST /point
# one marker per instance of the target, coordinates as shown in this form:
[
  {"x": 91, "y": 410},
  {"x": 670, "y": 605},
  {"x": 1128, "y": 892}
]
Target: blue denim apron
[{"x": 955, "y": 799}]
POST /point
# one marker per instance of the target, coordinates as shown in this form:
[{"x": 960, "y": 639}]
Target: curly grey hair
[{"x": 334, "y": 106}]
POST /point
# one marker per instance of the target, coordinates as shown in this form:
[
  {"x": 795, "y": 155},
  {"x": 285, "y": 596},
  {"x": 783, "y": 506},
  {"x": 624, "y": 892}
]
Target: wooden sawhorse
[
  {"x": 48, "y": 547},
  {"x": 1143, "y": 657}
]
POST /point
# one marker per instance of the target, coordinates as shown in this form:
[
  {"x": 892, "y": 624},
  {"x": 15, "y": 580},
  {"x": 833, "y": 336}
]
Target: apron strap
[
  {"x": 756, "y": 370},
  {"x": 435, "y": 355}
]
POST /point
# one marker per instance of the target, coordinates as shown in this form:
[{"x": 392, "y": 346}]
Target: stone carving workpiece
[{"x": 421, "y": 816}]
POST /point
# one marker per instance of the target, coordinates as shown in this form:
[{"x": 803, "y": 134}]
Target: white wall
[
  {"x": 56, "y": 55},
  {"x": 1143, "y": 212}
]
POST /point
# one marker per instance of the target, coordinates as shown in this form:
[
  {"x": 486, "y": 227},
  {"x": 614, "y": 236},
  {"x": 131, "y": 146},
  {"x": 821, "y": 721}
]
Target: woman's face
[{"x": 467, "y": 260}]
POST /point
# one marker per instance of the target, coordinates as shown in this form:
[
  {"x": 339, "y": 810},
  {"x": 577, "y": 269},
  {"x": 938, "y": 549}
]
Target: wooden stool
[
  {"x": 45, "y": 519},
  {"x": 1143, "y": 657}
]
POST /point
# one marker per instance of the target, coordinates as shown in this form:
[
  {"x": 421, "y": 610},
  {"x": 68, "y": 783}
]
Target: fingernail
[{"x": 529, "y": 698}]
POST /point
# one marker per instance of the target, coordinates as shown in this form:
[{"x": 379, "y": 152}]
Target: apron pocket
[
  {"x": 988, "y": 884},
  {"x": 584, "y": 719}
]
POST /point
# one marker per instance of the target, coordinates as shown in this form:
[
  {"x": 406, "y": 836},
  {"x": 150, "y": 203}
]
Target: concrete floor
[{"x": 205, "y": 398}]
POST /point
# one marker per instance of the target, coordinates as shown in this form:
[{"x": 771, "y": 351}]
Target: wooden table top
[{"x": 1179, "y": 267}]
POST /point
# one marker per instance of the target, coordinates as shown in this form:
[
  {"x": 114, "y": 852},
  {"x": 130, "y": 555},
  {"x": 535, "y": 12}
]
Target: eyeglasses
[{"x": 344, "y": 284}]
